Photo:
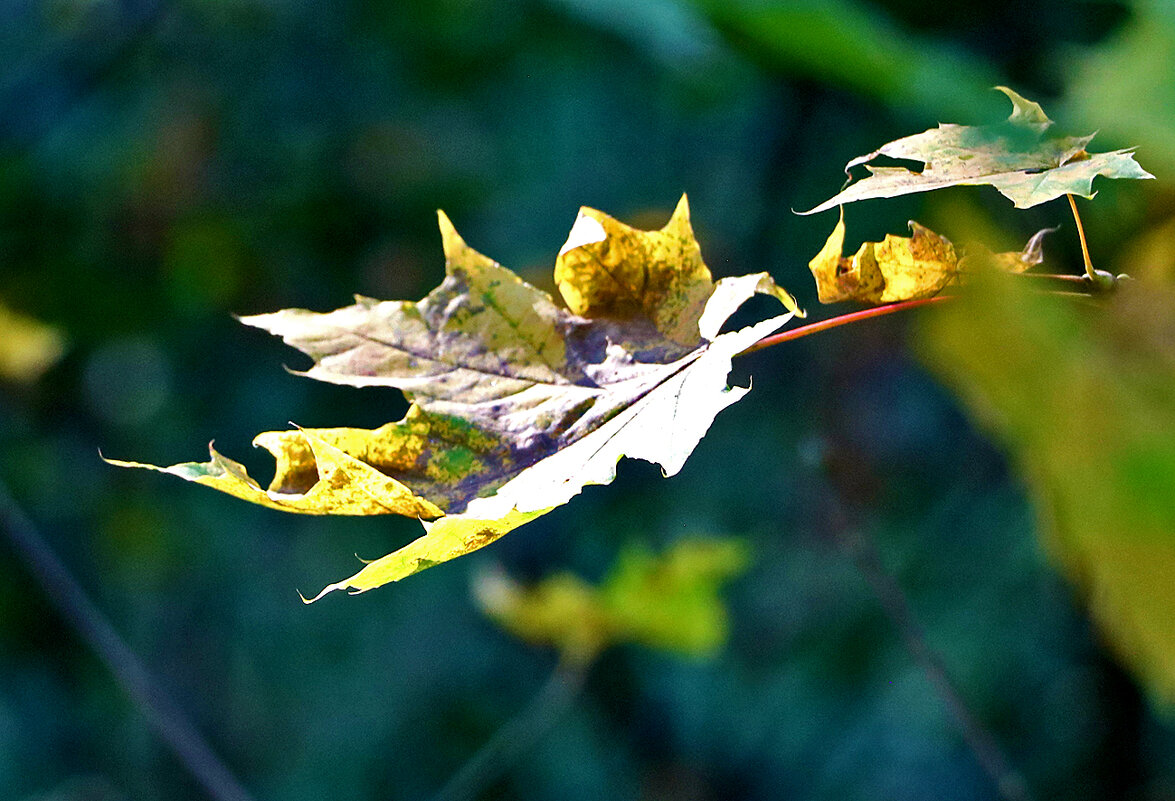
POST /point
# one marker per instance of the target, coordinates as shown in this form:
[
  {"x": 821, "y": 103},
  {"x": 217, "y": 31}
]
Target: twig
[
  {"x": 1072, "y": 279},
  {"x": 889, "y": 594},
  {"x": 517, "y": 735},
  {"x": 839, "y": 320},
  {"x": 891, "y": 308},
  {"x": 848, "y": 490},
  {"x": 72, "y": 603}
]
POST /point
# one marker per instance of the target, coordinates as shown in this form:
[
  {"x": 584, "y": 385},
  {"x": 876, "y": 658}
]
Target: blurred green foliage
[
  {"x": 1084, "y": 401},
  {"x": 668, "y": 601},
  {"x": 164, "y": 165},
  {"x": 1118, "y": 83}
]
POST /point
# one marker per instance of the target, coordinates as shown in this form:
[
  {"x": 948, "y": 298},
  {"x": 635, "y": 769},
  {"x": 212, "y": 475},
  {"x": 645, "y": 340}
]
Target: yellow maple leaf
[{"x": 517, "y": 403}]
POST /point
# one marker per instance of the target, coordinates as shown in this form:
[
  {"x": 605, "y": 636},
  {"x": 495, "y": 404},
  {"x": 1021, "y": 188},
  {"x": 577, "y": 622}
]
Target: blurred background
[{"x": 166, "y": 164}]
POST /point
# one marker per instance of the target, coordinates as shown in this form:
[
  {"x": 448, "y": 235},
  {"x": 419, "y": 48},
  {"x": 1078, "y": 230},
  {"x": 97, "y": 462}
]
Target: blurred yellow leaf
[
  {"x": 1083, "y": 399},
  {"x": 517, "y": 404},
  {"x": 668, "y": 601},
  {"x": 1150, "y": 256},
  {"x": 27, "y": 348}
]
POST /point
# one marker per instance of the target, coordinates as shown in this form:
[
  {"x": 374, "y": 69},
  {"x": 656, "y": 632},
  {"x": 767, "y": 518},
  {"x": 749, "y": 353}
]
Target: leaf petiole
[
  {"x": 1089, "y": 271},
  {"x": 839, "y": 320}
]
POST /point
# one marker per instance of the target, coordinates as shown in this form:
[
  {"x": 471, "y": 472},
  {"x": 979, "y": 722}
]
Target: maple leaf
[
  {"x": 517, "y": 403},
  {"x": 903, "y": 268},
  {"x": 1017, "y": 157}
]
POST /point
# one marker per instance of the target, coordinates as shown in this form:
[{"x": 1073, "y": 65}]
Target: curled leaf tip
[
  {"x": 322, "y": 592},
  {"x": 586, "y": 230}
]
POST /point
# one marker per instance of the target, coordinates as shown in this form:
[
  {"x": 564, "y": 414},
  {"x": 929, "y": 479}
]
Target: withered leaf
[
  {"x": 903, "y": 268},
  {"x": 978, "y": 257},
  {"x": 517, "y": 403}
]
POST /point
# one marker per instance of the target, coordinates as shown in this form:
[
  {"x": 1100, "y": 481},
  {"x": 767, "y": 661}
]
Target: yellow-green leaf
[
  {"x": 608, "y": 269},
  {"x": 668, "y": 601},
  {"x": 517, "y": 403},
  {"x": 1018, "y": 157},
  {"x": 27, "y": 347},
  {"x": 1083, "y": 401},
  {"x": 330, "y": 481},
  {"x": 839, "y": 278}
]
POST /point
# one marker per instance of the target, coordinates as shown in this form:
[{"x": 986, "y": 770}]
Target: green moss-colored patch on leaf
[{"x": 453, "y": 465}]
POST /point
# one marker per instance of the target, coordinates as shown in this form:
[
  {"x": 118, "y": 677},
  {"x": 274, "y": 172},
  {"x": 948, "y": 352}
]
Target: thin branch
[
  {"x": 848, "y": 491},
  {"x": 881, "y": 311},
  {"x": 839, "y": 320},
  {"x": 517, "y": 735},
  {"x": 72, "y": 603},
  {"x": 893, "y": 600},
  {"x": 1072, "y": 279}
]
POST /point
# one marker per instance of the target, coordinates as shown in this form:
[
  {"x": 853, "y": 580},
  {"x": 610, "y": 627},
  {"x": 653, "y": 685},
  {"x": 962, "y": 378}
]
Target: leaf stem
[
  {"x": 839, "y": 320},
  {"x": 1081, "y": 235}
]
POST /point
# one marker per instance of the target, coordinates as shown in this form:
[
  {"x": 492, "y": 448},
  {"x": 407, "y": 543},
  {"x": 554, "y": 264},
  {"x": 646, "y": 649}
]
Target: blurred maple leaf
[
  {"x": 669, "y": 601},
  {"x": 1082, "y": 398}
]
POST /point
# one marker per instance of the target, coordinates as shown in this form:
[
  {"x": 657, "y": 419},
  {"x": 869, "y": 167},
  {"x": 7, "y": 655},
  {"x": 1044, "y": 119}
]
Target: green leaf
[
  {"x": 1083, "y": 401},
  {"x": 668, "y": 601},
  {"x": 517, "y": 403},
  {"x": 1017, "y": 157}
]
